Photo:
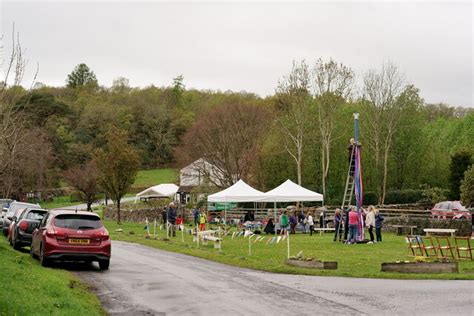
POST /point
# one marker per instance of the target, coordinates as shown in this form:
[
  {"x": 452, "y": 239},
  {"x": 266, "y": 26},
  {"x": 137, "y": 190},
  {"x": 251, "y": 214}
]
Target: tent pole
[
  {"x": 288, "y": 244},
  {"x": 275, "y": 216}
]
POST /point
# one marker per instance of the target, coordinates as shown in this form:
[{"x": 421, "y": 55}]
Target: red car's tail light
[
  {"x": 101, "y": 236},
  {"x": 50, "y": 232},
  {"x": 23, "y": 225},
  {"x": 60, "y": 234}
]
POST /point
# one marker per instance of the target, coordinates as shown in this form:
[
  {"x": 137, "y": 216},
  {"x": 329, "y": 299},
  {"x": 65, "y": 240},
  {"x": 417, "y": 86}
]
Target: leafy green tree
[
  {"x": 467, "y": 187},
  {"x": 118, "y": 163},
  {"x": 460, "y": 162},
  {"x": 81, "y": 76}
]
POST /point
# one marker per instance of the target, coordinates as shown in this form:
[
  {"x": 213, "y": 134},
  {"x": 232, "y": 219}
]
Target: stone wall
[
  {"x": 139, "y": 215},
  {"x": 463, "y": 226}
]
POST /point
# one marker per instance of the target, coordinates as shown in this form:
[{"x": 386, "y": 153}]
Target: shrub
[
  {"x": 403, "y": 196},
  {"x": 467, "y": 187},
  {"x": 434, "y": 195},
  {"x": 371, "y": 198}
]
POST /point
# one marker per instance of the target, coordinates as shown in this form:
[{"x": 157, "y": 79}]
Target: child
[
  {"x": 283, "y": 223},
  {"x": 202, "y": 221},
  {"x": 378, "y": 225}
]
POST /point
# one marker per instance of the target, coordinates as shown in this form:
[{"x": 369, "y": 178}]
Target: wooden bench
[
  {"x": 217, "y": 241},
  {"x": 208, "y": 235},
  {"x": 429, "y": 231},
  {"x": 400, "y": 228},
  {"x": 325, "y": 229}
]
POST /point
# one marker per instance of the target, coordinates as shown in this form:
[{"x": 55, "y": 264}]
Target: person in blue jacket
[{"x": 378, "y": 225}]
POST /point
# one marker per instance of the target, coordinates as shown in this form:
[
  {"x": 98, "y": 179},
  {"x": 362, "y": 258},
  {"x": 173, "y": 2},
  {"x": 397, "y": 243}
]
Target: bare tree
[
  {"x": 381, "y": 90},
  {"x": 294, "y": 115},
  {"x": 332, "y": 84},
  {"x": 227, "y": 139},
  {"x": 84, "y": 178},
  {"x": 13, "y": 130}
]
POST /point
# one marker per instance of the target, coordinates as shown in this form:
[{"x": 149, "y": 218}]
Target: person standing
[
  {"x": 302, "y": 220},
  {"x": 310, "y": 223},
  {"x": 202, "y": 221},
  {"x": 378, "y": 225},
  {"x": 196, "y": 214},
  {"x": 346, "y": 222},
  {"x": 337, "y": 224},
  {"x": 370, "y": 221},
  {"x": 283, "y": 223},
  {"x": 322, "y": 219},
  {"x": 293, "y": 222},
  {"x": 353, "y": 224},
  {"x": 171, "y": 215}
]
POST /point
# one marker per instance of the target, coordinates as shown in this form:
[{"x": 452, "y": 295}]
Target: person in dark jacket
[
  {"x": 270, "y": 227},
  {"x": 293, "y": 222},
  {"x": 378, "y": 225},
  {"x": 171, "y": 215},
  {"x": 346, "y": 223},
  {"x": 249, "y": 217},
  {"x": 196, "y": 214},
  {"x": 337, "y": 224}
]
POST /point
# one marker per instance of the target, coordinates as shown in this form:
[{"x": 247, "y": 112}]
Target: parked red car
[
  {"x": 71, "y": 236},
  {"x": 450, "y": 209}
]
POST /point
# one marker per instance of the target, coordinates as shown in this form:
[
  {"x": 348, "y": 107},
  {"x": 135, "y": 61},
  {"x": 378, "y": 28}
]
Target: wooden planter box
[
  {"x": 314, "y": 264},
  {"x": 421, "y": 267}
]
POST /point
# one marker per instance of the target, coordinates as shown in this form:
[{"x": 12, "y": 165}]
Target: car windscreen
[
  {"x": 76, "y": 221},
  {"x": 17, "y": 206},
  {"x": 36, "y": 215}
]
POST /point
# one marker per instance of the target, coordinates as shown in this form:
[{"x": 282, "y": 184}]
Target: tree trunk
[
  {"x": 89, "y": 204},
  {"x": 118, "y": 212},
  {"x": 323, "y": 176},
  {"x": 298, "y": 163}
]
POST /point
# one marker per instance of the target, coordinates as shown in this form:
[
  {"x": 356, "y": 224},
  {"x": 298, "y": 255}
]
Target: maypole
[{"x": 358, "y": 186}]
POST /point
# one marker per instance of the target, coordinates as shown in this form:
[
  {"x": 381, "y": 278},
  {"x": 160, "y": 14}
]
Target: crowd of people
[{"x": 346, "y": 223}]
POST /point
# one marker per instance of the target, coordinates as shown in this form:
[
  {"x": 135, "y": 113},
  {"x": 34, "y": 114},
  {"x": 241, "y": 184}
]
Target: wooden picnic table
[
  {"x": 451, "y": 231},
  {"x": 400, "y": 228}
]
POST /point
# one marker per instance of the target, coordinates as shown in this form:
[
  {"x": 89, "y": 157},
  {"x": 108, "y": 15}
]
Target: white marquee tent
[
  {"x": 289, "y": 191},
  {"x": 238, "y": 192},
  {"x": 163, "y": 190}
]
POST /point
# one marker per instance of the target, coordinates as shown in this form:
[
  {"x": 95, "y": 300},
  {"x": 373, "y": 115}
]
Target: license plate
[{"x": 79, "y": 241}]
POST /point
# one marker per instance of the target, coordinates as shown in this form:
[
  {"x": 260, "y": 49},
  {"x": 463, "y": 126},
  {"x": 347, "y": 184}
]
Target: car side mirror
[{"x": 13, "y": 219}]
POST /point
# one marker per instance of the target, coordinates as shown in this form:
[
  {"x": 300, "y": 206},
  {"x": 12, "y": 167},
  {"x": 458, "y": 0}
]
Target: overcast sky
[{"x": 247, "y": 46}]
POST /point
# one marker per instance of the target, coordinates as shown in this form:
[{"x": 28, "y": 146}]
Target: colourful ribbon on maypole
[{"x": 358, "y": 185}]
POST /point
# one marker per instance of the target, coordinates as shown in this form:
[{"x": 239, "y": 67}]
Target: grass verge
[
  {"x": 28, "y": 289},
  {"x": 361, "y": 260}
]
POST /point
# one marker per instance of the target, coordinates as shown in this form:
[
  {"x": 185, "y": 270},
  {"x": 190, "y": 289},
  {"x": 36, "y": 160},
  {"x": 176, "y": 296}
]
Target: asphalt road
[
  {"x": 84, "y": 206},
  {"x": 147, "y": 281}
]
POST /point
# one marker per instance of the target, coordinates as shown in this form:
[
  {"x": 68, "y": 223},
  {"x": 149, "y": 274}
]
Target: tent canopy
[
  {"x": 289, "y": 191},
  {"x": 160, "y": 190},
  {"x": 239, "y": 192}
]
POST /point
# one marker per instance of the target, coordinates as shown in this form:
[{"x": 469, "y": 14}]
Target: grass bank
[
  {"x": 28, "y": 289},
  {"x": 59, "y": 201},
  {"x": 146, "y": 178},
  {"x": 361, "y": 260}
]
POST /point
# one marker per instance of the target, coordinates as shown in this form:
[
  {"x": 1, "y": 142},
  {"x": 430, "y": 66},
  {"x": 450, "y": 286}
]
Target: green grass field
[
  {"x": 360, "y": 260},
  {"x": 28, "y": 289},
  {"x": 151, "y": 177},
  {"x": 59, "y": 201}
]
